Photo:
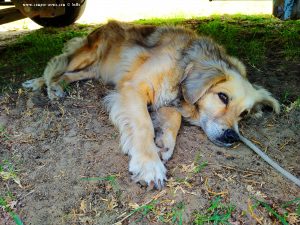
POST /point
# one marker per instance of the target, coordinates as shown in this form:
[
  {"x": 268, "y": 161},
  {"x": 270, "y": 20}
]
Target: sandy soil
[{"x": 55, "y": 145}]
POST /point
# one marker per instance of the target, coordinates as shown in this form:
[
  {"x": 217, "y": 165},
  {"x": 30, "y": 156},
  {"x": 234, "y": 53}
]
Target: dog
[{"x": 171, "y": 71}]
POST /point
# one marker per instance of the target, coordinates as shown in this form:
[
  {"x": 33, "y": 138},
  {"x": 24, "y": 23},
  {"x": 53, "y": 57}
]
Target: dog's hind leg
[
  {"x": 56, "y": 87},
  {"x": 69, "y": 77},
  {"x": 72, "y": 76},
  {"x": 34, "y": 84},
  {"x": 77, "y": 55},
  {"x": 54, "y": 69},
  {"x": 166, "y": 122}
]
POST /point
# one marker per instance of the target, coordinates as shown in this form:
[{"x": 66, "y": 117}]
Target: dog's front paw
[
  {"x": 152, "y": 171},
  {"x": 166, "y": 142},
  {"x": 55, "y": 92}
]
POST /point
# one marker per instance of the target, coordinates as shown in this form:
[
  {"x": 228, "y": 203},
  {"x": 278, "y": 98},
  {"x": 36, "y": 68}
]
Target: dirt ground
[{"x": 72, "y": 171}]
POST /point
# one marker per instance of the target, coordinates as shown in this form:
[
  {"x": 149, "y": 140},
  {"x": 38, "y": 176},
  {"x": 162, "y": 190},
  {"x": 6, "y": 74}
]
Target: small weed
[
  {"x": 295, "y": 202},
  {"x": 287, "y": 217},
  {"x": 7, "y": 208},
  {"x": 8, "y": 172},
  {"x": 190, "y": 170},
  {"x": 141, "y": 211},
  {"x": 285, "y": 97},
  {"x": 178, "y": 213},
  {"x": 111, "y": 179},
  {"x": 159, "y": 212},
  {"x": 297, "y": 103},
  {"x": 114, "y": 135},
  {"x": 4, "y": 135},
  {"x": 217, "y": 213},
  {"x": 293, "y": 105},
  {"x": 199, "y": 165},
  {"x": 65, "y": 86},
  {"x": 144, "y": 210},
  {"x": 175, "y": 216}
]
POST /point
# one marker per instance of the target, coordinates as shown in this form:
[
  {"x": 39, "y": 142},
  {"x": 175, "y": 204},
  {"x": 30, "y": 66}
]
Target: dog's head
[{"x": 217, "y": 95}]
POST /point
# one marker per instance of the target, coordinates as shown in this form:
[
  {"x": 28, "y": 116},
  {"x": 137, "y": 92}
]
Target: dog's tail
[{"x": 57, "y": 65}]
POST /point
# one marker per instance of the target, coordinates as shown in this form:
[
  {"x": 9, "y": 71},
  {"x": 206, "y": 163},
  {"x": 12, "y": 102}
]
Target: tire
[{"x": 72, "y": 13}]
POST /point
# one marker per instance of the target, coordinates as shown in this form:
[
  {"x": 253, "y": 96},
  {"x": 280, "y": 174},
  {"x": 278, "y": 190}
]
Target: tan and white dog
[{"x": 169, "y": 69}]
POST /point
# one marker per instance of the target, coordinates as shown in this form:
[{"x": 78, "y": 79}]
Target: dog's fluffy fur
[{"x": 172, "y": 70}]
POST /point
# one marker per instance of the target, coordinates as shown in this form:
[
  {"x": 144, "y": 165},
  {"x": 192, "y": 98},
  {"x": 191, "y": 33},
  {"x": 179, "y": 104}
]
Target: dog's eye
[
  {"x": 224, "y": 98},
  {"x": 244, "y": 113}
]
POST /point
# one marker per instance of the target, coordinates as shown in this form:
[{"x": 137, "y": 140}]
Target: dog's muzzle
[{"x": 229, "y": 137}]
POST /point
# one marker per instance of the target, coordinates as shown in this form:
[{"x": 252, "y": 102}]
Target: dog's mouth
[
  {"x": 219, "y": 135},
  {"x": 219, "y": 141},
  {"x": 221, "y": 144}
]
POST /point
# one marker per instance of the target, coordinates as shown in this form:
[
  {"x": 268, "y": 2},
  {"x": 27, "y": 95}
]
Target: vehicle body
[{"x": 56, "y": 13}]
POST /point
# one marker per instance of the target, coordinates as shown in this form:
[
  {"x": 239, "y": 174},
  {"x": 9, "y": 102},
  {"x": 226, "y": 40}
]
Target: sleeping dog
[{"x": 175, "y": 72}]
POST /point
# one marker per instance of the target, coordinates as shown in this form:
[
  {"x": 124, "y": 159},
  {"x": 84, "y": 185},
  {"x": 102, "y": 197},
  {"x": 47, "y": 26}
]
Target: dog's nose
[{"x": 230, "y": 136}]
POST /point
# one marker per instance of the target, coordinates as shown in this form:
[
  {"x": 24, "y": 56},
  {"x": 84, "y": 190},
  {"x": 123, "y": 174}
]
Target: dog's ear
[
  {"x": 196, "y": 81},
  {"x": 264, "y": 97},
  {"x": 240, "y": 67}
]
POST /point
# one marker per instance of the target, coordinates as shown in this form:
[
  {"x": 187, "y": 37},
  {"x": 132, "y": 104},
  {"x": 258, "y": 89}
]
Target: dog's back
[{"x": 113, "y": 52}]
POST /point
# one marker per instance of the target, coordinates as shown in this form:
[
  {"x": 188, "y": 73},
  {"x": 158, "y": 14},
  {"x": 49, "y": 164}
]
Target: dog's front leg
[
  {"x": 128, "y": 111},
  {"x": 167, "y": 121}
]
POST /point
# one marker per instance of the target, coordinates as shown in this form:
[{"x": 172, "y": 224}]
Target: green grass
[
  {"x": 251, "y": 37},
  {"x": 4, "y": 204},
  {"x": 144, "y": 210},
  {"x": 297, "y": 103},
  {"x": 28, "y": 56},
  {"x": 152, "y": 209},
  {"x": 111, "y": 179},
  {"x": 65, "y": 86},
  {"x": 217, "y": 213},
  {"x": 200, "y": 165},
  {"x": 254, "y": 39},
  {"x": 292, "y": 105},
  {"x": 4, "y": 135},
  {"x": 177, "y": 213},
  {"x": 286, "y": 209},
  {"x": 161, "y": 21},
  {"x": 8, "y": 172}
]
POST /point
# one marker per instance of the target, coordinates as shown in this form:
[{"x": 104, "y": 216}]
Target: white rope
[{"x": 275, "y": 165}]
